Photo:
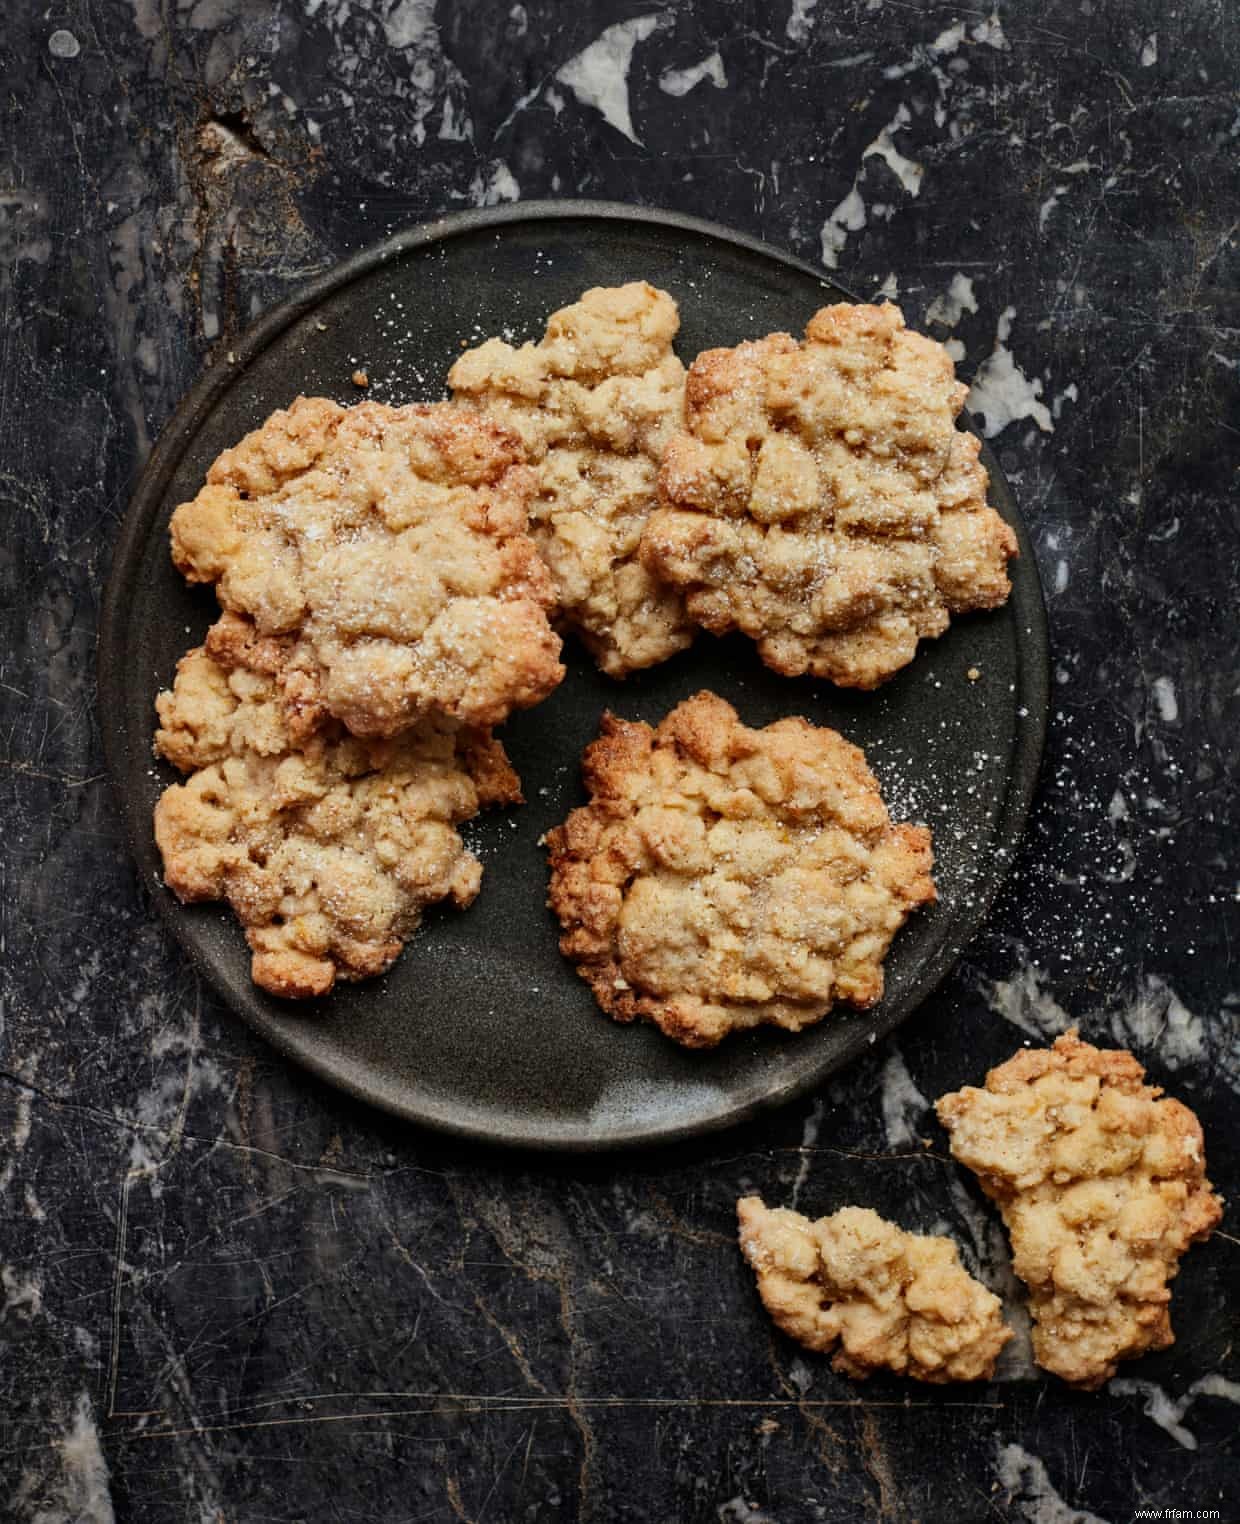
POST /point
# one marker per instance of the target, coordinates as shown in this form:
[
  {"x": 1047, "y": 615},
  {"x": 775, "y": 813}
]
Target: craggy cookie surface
[
  {"x": 724, "y": 877},
  {"x": 1102, "y": 1186},
  {"x": 387, "y": 548},
  {"x": 594, "y": 403},
  {"x": 881, "y": 1298},
  {"x": 823, "y": 501},
  {"x": 327, "y": 851}
]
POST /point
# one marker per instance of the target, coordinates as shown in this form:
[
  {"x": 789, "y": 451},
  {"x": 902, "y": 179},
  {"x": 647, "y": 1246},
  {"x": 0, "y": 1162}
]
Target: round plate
[{"x": 481, "y": 1028}]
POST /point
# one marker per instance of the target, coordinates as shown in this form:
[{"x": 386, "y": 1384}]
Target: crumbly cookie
[
  {"x": 822, "y": 500},
  {"x": 594, "y": 403},
  {"x": 327, "y": 850},
  {"x": 1102, "y": 1187},
  {"x": 385, "y": 549},
  {"x": 881, "y": 1298},
  {"x": 723, "y": 877}
]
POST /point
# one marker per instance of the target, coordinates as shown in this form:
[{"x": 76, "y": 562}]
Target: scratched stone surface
[{"x": 228, "y": 1294}]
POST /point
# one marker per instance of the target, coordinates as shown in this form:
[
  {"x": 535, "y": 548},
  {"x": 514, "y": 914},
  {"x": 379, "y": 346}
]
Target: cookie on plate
[
  {"x": 724, "y": 878},
  {"x": 881, "y": 1298},
  {"x": 385, "y": 550},
  {"x": 327, "y": 849},
  {"x": 594, "y": 403},
  {"x": 1102, "y": 1186},
  {"x": 822, "y": 500}
]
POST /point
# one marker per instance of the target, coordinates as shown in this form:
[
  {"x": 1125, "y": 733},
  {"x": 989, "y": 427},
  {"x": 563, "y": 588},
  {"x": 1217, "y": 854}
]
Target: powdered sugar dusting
[{"x": 636, "y": 1104}]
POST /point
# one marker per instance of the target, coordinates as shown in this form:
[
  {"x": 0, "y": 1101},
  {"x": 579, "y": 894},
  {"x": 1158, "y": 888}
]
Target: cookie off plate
[{"x": 481, "y": 1029}]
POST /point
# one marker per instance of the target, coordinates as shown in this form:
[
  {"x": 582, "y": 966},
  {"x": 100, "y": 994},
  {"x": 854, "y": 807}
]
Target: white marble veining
[
  {"x": 1150, "y": 1018},
  {"x": 599, "y": 75},
  {"x": 73, "y": 1486},
  {"x": 951, "y": 305},
  {"x": 679, "y": 82},
  {"x": 1001, "y": 392},
  {"x": 1033, "y": 1495},
  {"x": 905, "y": 1108},
  {"x": 849, "y": 216},
  {"x": 1169, "y": 1412}
]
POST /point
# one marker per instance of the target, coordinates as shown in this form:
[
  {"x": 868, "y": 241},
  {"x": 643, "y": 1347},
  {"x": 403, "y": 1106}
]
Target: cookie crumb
[
  {"x": 360, "y": 378},
  {"x": 973, "y": 674}
]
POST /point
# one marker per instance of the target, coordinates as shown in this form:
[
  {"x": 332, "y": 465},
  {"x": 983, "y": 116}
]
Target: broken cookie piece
[
  {"x": 822, "y": 500},
  {"x": 382, "y": 553},
  {"x": 723, "y": 878},
  {"x": 1102, "y": 1186},
  {"x": 880, "y": 1298},
  {"x": 594, "y": 402},
  {"x": 327, "y": 849}
]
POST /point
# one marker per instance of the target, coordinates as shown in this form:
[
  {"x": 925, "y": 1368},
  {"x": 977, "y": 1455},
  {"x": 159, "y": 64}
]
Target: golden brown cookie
[
  {"x": 724, "y": 878},
  {"x": 327, "y": 849},
  {"x": 384, "y": 551},
  {"x": 822, "y": 500},
  {"x": 1102, "y": 1186},
  {"x": 594, "y": 403},
  {"x": 881, "y": 1298}
]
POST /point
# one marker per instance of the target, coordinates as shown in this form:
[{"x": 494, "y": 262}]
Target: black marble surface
[{"x": 228, "y": 1294}]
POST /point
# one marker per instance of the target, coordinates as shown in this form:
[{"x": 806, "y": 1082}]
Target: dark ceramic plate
[{"x": 481, "y": 1029}]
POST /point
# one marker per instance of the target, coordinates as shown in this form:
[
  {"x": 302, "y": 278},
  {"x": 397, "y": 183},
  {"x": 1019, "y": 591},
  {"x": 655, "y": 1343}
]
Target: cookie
[
  {"x": 327, "y": 850},
  {"x": 725, "y": 878},
  {"x": 385, "y": 550},
  {"x": 880, "y": 1298},
  {"x": 594, "y": 403},
  {"x": 1102, "y": 1187},
  {"x": 822, "y": 500}
]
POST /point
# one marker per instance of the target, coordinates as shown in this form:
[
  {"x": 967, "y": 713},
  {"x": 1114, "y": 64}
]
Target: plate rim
[{"x": 145, "y": 504}]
